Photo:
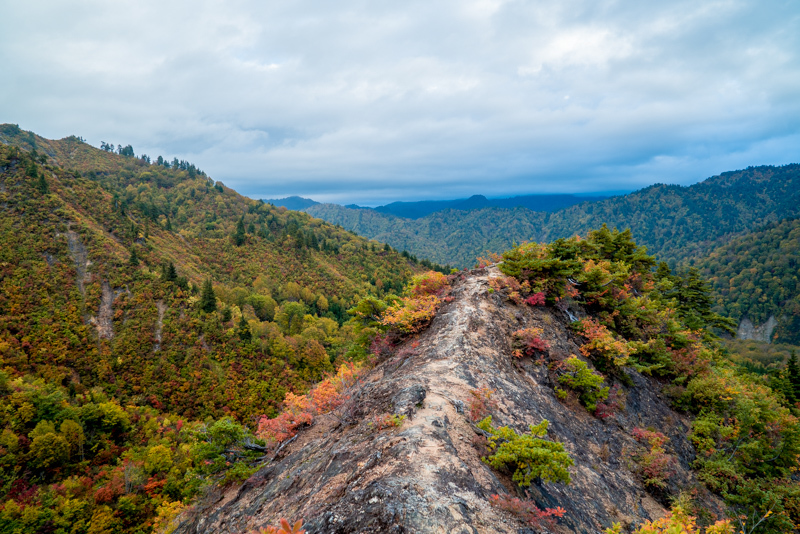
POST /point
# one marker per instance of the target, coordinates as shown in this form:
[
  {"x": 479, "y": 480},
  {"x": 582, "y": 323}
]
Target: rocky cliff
[{"x": 345, "y": 474}]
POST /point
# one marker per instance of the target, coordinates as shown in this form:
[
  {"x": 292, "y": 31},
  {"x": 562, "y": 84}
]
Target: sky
[{"x": 371, "y": 102}]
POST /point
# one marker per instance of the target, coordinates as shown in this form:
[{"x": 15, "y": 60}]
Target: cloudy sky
[{"x": 375, "y": 101}]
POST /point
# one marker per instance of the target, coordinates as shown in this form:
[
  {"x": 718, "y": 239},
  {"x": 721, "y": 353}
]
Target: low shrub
[
  {"x": 585, "y": 382},
  {"x": 528, "y": 455}
]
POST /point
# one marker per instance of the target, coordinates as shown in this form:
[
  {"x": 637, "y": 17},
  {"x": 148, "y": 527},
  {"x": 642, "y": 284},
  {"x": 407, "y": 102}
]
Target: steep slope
[
  {"x": 117, "y": 372},
  {"x": 90, "y": 249},
  {"x": 756, "y": 280},
  {"x": 673, "y": 222},
  {"x": 459, "y": 236},
  {"x": 345, "y": 474}
]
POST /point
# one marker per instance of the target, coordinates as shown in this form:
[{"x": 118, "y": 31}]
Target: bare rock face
[
  {"x": 763, "y": 332},
  {"x": 345, "y": 475}
]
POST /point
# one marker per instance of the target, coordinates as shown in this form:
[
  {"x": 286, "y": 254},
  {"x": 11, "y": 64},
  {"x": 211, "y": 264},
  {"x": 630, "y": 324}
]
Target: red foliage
[
  {"x": 430, "y": 283},
  {"x": 537, "y": 299},
  {"x": 153, "y": 486},
  {"x": 526, "y": 510},
  {"x": 656, "y": 465},
  {"x": 381, "y": 346},
  {"x": 300, "y": 410},
  {"x": 22, "y": 492},
  {"x": 112, "y": 489},
  {"x": 527, "y": 341},
  {"x": 615, "y": 402},
  {"x": 481, "y": 403}
]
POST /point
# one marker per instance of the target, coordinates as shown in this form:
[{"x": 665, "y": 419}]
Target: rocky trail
[{"x": 343, "y": 474}]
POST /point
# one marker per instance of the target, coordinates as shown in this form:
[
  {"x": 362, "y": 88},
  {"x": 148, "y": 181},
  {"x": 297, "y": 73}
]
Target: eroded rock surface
[
  {"x": 342, "y": 475},
  {"x": 762, "y": 332}
]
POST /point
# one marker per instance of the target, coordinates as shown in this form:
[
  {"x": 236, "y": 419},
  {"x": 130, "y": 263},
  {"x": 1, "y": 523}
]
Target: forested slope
[
  {"x": 673, "y": 222},
  {"x": 757, "y": 276},
  {"x": 120, "y": 378}
]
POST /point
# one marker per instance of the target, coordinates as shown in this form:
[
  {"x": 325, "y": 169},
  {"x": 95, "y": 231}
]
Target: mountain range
[
  {"x": 419, "y": 209},
  {"x": 679, "y": 224},
  {"x": 175, "y": 356}
]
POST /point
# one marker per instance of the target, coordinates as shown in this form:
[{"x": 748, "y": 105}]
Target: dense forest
[
  {"x": 680, "y": 225},
  {"x": 149, "y": 315},
  {"x": 756, "y": 275},
  {"x": 160, "y": 333},
  {"x": 673, "y": 222}
]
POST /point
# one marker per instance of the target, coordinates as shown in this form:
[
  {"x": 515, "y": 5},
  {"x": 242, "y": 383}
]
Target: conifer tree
[
  {"x": 134, "y": 259},
  {"x": 239, "y": 234},
  {"x": 793, "y": 369},
  {"x": 244, "y": 330},
  {"x": 41, "y": 184},
  {"x": 171, "y": 274},
  {"x": 208, "y": 299}
]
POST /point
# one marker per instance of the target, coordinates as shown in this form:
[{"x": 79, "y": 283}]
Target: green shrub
[
  {"x": 585, "y": 382},
  {"x": 530, "y": 456}
]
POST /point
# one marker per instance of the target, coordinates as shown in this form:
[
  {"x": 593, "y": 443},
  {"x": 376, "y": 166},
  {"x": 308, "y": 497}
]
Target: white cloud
[{"x": 368, "y": 102}]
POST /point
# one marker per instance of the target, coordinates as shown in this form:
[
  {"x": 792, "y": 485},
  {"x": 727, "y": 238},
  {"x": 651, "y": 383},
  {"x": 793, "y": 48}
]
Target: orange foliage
[
  {"x": 430, "y": 283},
  {"x": 413, "y": 314},
  {"x": 601, "y": 341},
  {"x": 299, "y": 410},
  {"x": 490, "y": 259}
]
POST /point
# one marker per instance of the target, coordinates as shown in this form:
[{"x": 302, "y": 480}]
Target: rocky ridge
[{"x": 344, "y": 474}]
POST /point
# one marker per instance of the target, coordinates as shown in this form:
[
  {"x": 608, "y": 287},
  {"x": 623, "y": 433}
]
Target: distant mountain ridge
[
  {"x": 677, "y": 224},
  {"x": 294, "y": 203},
  {"x": 674, "y": 222},
  {"x": 422, "y": 208}
]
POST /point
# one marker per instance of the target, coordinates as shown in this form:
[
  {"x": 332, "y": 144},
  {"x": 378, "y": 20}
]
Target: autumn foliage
[
  {"x": 527, "y": 511},
  {"x": 299, "y": 410}
]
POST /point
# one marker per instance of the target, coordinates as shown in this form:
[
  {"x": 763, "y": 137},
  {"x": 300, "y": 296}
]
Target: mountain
[
  {"x": 146, "y": 312},
  {"x": 680, "y": 225},
  {"x": 674, "y": 222},
  {"x": 292, "y": 203},
  {"x": 754, "y": 279},
  {"x": 524, "y": 401},
  {"x": 416, "y": 210}
]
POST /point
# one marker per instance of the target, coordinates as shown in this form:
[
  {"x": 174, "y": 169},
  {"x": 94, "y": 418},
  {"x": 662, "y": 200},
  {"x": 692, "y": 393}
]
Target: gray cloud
[{"x": 375, "y": 101}]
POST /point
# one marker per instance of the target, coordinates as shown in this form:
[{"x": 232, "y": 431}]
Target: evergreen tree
[
  {"x": 170, "y": 273},
  {"x": 208, "y": 299},
  {"x": 793, "y": 369},
  {"x": 41, "y": 185},
  {"x": 134, "y": 259},
  {"x": 693, "y": 298},
  {"x": 168, "y": 226},
  {"x": 244, "y": 330},
  {"x": 239, "y": 234}
]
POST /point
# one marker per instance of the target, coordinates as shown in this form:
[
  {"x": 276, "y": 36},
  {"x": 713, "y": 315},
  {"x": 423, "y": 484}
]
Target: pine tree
[
  {"x": 170, "y": 273},
  {"x": 134, "y": 259},
  {"x": 208, "y": 299},
  {"x": 244, "y": 330},
  {"x": 41, "y": 185},
  {"x": 239, "y": 234},
  {"x": 793, "y": 369},
  {"x": 168, "y": 226}
]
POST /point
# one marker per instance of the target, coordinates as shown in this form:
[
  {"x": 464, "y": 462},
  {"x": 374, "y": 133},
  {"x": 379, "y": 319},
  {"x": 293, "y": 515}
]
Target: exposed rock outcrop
[
  {"x": 763, "y": 332},
  {"x": 81, "y": 258},
  {"x": 344, "y": 475}
]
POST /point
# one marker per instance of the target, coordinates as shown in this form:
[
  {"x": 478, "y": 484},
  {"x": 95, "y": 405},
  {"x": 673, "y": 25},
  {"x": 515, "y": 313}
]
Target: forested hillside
[
  {"x": 148, "y": 316},
  {"x": 461, "y": 236},
  {"x": 758, "y": 276},
  {"x": 673, "y": 222},
  {"x": 755, "y": 276}
]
